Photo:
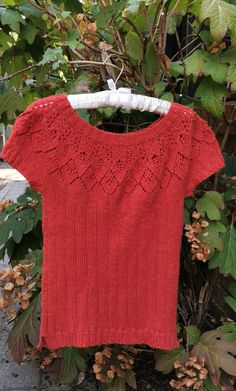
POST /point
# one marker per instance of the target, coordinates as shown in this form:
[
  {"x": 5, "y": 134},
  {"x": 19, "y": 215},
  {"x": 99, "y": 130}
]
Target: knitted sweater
[{"x": 112, "y": 219}]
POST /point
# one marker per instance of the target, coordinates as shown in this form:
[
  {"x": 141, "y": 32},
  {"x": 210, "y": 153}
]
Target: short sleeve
[
  {"x": 23, "y": 149},
  {"x": 205, "y": 157}
]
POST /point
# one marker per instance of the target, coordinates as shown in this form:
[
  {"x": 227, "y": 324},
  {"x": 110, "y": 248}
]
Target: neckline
[{"x": 157, "y": 127}]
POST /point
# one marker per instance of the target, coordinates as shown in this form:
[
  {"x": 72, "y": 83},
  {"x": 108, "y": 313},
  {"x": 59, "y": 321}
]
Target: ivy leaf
[
  {"x": 164, "y": 360},
  {"x": 222, "y": 17},
  {"x": 211, "y": 95},
  {"x": 225, "y": 260},
  {"x": 72, "y": 360},
  {"x": 134, "y": 46},
  {"x": 25, "y": 330},
  {"x": 216, "y": 352},
  {"x": 12, "y": 18}
]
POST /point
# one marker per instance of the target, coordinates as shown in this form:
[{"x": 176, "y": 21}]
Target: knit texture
[{"x": 112, "y": 219}]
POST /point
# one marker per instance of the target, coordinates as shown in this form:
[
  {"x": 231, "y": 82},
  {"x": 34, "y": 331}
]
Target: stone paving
[{"x": 27, "y": 376}]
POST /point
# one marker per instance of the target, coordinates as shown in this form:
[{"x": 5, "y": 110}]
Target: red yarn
[{"x": 112, "y": 219}]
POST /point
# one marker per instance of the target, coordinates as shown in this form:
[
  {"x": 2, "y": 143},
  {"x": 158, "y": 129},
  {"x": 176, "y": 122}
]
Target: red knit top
[{"x": 112, "y": 219}]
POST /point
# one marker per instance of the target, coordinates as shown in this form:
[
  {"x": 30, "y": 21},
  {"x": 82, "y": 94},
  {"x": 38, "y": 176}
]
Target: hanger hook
[
  {"x": 121, "y": 71},
  {"x": 122, "y": 68}
]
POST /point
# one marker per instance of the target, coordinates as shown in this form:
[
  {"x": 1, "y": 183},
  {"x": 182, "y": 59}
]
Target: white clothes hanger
[{"x": 120, "y": 98}]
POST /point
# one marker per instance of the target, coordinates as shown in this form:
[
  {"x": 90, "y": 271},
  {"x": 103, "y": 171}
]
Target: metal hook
[{"x": 111, "y": 83}]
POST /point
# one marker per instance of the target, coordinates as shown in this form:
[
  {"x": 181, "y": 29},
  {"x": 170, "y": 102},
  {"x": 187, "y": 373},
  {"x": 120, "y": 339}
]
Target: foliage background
[{"x": 182, "y": 51}]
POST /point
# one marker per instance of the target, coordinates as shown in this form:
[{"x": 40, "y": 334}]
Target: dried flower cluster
[
  {"x": 87, "y": 29},
  {"x": 190, "y": 374},
  {"x": 18, "y": 287},
  {"x": 45, "y": 356},
  {"x": 199, "y": 249},
  {"x": 108, "y": 365},
  {"x": 4, "y": 204}
]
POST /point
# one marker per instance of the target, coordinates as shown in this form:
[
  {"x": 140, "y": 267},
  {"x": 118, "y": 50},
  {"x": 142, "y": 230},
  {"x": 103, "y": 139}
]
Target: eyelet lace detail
[{"x": 77, "y": 156}]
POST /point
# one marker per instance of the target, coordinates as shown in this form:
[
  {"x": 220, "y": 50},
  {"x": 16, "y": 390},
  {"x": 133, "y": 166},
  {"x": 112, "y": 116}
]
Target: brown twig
[{"x": 7, "y": 77}]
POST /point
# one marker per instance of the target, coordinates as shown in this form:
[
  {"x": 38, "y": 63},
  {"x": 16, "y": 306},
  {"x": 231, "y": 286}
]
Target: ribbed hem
[{"x": 108, "y": 336}]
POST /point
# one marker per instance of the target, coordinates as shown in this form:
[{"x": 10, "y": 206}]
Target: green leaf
[
  {"x": 12, "y": 18},
  {"x": 176, "y": 68},
  {"x": 164, "y": 359},
  {"x": 167, "y": 96},
  {"x": 29, "y": 32},
  {"x": 228, "y": 56},
  {"x": 132, "y": 6},
  {"x": 117, "y": 384},
  {"x": 25, "y": 330},
  {"x": 5, "y": 40},
  {"x": 209, "y": 386},
  {"x": 229, "y": 329},
  {"x": 215, "y": 69},
  {"x": 231, "y": 302},
  {"x": 172, "y": 22},
  {"x": 29, "y": 11},
  {"x": 134, "y": 46},
  {"x": 14, "y": 60},
  {"x": 232, "y": 289},
  {"x": 74, "y": 6},
  {"x": 212, "y": 235},
  {"x": 211, "y": 95},
  {"x": 41, "y": 73},
  {"x": 216, "y": 352},
  {"x": 72, "y": 360},
  {"x": 210, "y": 204},
  {"x": 194, "y": 64},
  {"x": 206, "y": 37},
  {"x": 216, "y": 197},
  {"x": 193, "y": 334},
  {"x": 231, "y": 77},
  {"x": 141, "y": 24},
  {"x": 72, "y": 39},
  {"x": 181, "y": 5},
  {"x": 225, "y": 260},
  {"x": 54, "y": 56},
  {"x": 35, "y": 257},
  {"x": 159, "y": 88},
  {"x": 149, "y": 70},
  {"x": 222, "y": 17}
]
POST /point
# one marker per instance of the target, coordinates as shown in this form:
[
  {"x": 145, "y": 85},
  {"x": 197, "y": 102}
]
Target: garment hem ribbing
[{"x": 103, "y": 337}]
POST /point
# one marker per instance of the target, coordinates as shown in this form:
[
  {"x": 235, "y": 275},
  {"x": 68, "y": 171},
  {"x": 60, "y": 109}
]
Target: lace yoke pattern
[
  {"x": 88, "y": 160},
  {"x": 184, "y": 151}
]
